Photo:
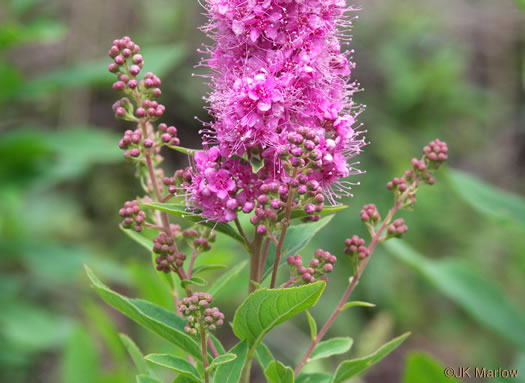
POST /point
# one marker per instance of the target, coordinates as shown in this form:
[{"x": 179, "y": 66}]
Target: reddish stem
[{"x": 375, "y": 240}]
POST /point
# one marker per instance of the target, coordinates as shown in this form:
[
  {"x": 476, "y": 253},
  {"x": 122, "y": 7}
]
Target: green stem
[{"x": 204, "y": 351}]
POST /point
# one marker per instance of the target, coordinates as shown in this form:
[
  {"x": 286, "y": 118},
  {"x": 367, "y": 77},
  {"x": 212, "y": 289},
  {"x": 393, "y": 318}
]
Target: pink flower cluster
[{"x": 279, "y": 95}]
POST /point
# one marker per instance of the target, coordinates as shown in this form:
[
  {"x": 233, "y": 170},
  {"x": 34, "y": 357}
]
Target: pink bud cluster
[
  {"x": 133, "y": 216},
  {"x": 127, "y": 64},
  {"x": 280, "y": 98},
  {"x": 397, "y": 228},
  {"x": 434, "y": 155},
  {"x": 168, "y": 258},
  {"x": 370, "y": 214},
  {"x": 200, "y": 315},
  {"x": 201, "y": 242},
  {"x": 355, "y": 247},
  {"x": 130, "y": 143},
  {"x": 180, "y": 181},
  {"x": 322, "y": 264}
]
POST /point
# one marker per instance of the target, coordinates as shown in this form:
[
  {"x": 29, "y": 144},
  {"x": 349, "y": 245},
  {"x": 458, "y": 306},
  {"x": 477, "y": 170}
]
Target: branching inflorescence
[{"x": 278, "y": 147}]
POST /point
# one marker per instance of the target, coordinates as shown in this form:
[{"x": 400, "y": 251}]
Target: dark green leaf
[
  {"x": 469, "y": 289},
  {"x": 333, "y": 346},
  {"x": 226, "y": 278},
  {"x": 180, "y": 211},
  {"x": 264, "y": 309},
  {"x": 221, "y": 359},
  {"x": 182, "y": 366},
  {"x": 278, "y": 373},
  {"x": 421, "y": 367},
  {"x": 488, "y": 199},
  {"x": 155, "y": 318},
  {"x": 297, "y": 237},
  {"x": 231, "y": 372},
  {"x": 136, "y": 355},
  {"x": 351, "y": 368}
]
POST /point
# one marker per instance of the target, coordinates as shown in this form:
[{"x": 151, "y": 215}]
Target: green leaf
[
  {"x": 333, "y": 346},
  {"x": 264, "y": 309},
  {"x": 487, "y": 199},
  {"x": 300, "y": 213},
  {"x": 155, "y": 318},
  {"x": 196, "y": 281},
  {"x": 356, "y": 303},
  {"x": 204, "y": 268},
  {"x": 297, "y": 237},
  {"x": 315, "y": 377},
  {"x": 263, "y": 355},
  {"x": 231, "y": 372},
  {"x": 421, "y": 367},
  {"x": 189, "y": 152},
  {"x": 146, "y": 379},
  {"x": 80, "y": 362},
  {"x": 226, "y": 278},
  {"x": 475, "y": 293},
  {"x": 278, "y": 373},
  {"x": 351, "y": 368},
  {"x": 182, "y": 366},
  {"x": 136, "y": 355},
  {"x": 218, "y": 345},
  {"x": 222, "y": 359},
  {"x": 311, "y": 324},
  {"x": 180, "y": 211},
  {"x": 144, "y": 238}
]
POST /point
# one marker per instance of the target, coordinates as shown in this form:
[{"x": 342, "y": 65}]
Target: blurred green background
[{"x": 453, "y": 69}]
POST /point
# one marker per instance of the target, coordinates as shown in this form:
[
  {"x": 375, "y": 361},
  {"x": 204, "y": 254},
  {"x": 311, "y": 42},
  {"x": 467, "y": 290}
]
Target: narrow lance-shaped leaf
[
  {"x": 264, "y": 309},
  {"x": 155, "y": 318},
  {"x": 136, "y": 355},
  {"x": 180, "y": 211},
  {"x": 459, "y": 280},
  {"x": 347, "y": 305},
  {"x": 350, "y": 368},
  {"x": 312, "y": 324},
  {"x": 222, "y": 359},
  {"x": 333, "y": 346},
  {"x": 231, "y": 372},
  {"x": 276, "y": 372},
  {"x": 145, "y": 239},
  {"x": 182, "y": 366},
  {"x": 300, "y": 213},
  {"x": 297, "y": 237},
  {"x": 188, "y": 151}
]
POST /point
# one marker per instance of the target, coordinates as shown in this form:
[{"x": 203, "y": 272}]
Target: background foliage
[{"x": 450, "y": 68}]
